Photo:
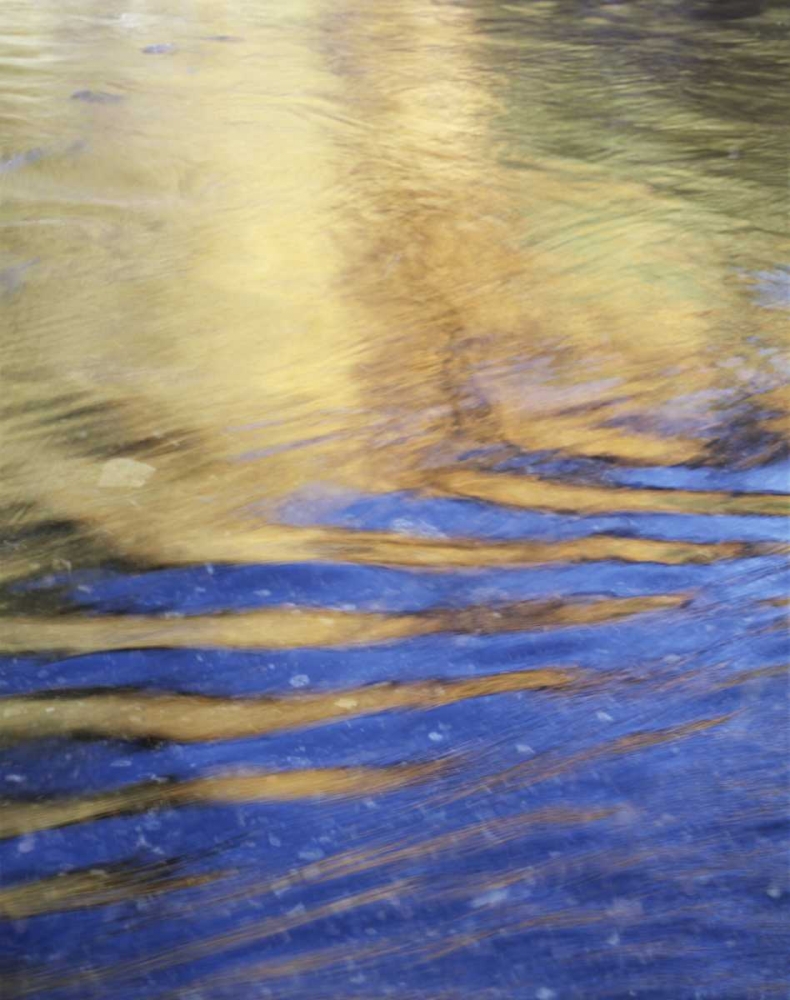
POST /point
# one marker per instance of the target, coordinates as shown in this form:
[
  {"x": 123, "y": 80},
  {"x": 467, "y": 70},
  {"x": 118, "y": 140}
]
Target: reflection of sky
[
  {"x": 772, "y": 288},
  {"x": 419, "y": 516},
  {"x": 686, "y": 880},
  {"x": 685, "y": 861}
]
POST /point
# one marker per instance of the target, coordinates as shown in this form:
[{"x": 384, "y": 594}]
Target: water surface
[{"x": 394, "y": 492}]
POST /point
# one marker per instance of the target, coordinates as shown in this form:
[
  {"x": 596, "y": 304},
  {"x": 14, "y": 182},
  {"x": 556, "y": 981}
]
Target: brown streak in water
[
  {"x": 543, "y": 494},
  {"x": 776, "y": 602},
  {"x": 196, "y": 718},
  {"x": 259, "y": 930},
  {"x": 299, "y": 628},
  {"x": 757, "y": 673},
  {"x": 266, "y": 545},
  {"x": 19, "y": 817},
  {"x": 285, "y": 543},
  {"x": 92, "y": 887}
]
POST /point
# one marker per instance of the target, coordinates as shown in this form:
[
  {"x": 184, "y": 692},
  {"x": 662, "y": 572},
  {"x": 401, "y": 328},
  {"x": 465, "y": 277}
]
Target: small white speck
[
  {"x": 603, "y": 717},
  {"x": 491, "y": 898},
  {"x": 26, "y": 845},
  {"x": 274, "y": 840},
  {"x": 311, "y": 854},
  {"x": 613, "y": 939},
  {"x": 626, "y": 908},
  {"x": 297, "y": 910},
  {"x": 524, "y": 748},
  {"x": 16, "y": 779},
  {"x": 420, "y": 529},
  {"x": 774, "y": 892},
  {"x": 435, "y": 737},
  {"x": 544, "y": 993},
  {"x": 125, "y": 473},
  {"x": 299, "y": 681}
]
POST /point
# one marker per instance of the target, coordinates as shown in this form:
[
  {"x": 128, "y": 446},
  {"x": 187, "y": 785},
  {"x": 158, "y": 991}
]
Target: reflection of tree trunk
[{"x": 427, "y": 253}]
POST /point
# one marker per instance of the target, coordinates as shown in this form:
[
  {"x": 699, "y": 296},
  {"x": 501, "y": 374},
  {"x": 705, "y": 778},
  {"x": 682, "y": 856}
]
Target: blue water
[
  {"x": 290, "y": 283},
  {"x": 671, "y": 870}
]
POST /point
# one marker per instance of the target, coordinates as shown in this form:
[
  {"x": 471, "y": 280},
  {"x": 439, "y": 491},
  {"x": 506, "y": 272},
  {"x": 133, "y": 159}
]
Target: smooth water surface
[{"x": 394, "y": 489}]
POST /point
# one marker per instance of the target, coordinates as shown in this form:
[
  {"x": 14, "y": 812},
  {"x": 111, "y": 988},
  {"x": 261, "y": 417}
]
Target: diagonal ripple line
[
  {"x": 289, "y": 543},
  {"x": 551, "y": 764},
  {"x": 19, "y": 816},
  {"x": 303, "y": 628},
  {"x": 136, "y": 715},
  {"x": 573, "y": 498},
  {"x": 92, "y": 887}
]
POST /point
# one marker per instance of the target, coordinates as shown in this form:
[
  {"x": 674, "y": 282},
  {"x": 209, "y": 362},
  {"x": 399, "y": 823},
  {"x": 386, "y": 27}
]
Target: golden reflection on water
[
  {"x": 542, "y": 494},
  {"x": 189, "y": 718},
  {"x": 92, "y": 887},
  {"x": 20, "y": 817},
  {"x": 278, "y": 264},
  {"x": 289, "y": 629}
]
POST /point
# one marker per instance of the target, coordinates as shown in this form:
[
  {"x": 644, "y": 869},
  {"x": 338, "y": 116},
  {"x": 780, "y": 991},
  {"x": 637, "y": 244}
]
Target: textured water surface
[{"x": 394, "y": 494}]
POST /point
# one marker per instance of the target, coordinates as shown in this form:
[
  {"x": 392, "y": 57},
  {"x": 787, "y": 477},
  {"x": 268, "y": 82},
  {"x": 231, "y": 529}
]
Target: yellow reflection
[
  {"x": 303, "y": 259},
  {"x": 279, "y": 628},
  {"x": 92, "y": 887},
  {"x": 21, "y": 817},
  {"x": 196, "y": 718},
  {"x": 522, "y": 491}
]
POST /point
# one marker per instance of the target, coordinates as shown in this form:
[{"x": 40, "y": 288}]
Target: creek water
[{"x": 394, "y": 491}]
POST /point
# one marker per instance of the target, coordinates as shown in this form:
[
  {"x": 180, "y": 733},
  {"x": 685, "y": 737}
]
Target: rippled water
[{"x": 394, "y": 491}]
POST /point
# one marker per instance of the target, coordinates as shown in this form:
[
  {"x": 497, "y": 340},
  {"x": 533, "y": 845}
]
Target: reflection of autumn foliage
[{"x": 351, "y": 286}]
